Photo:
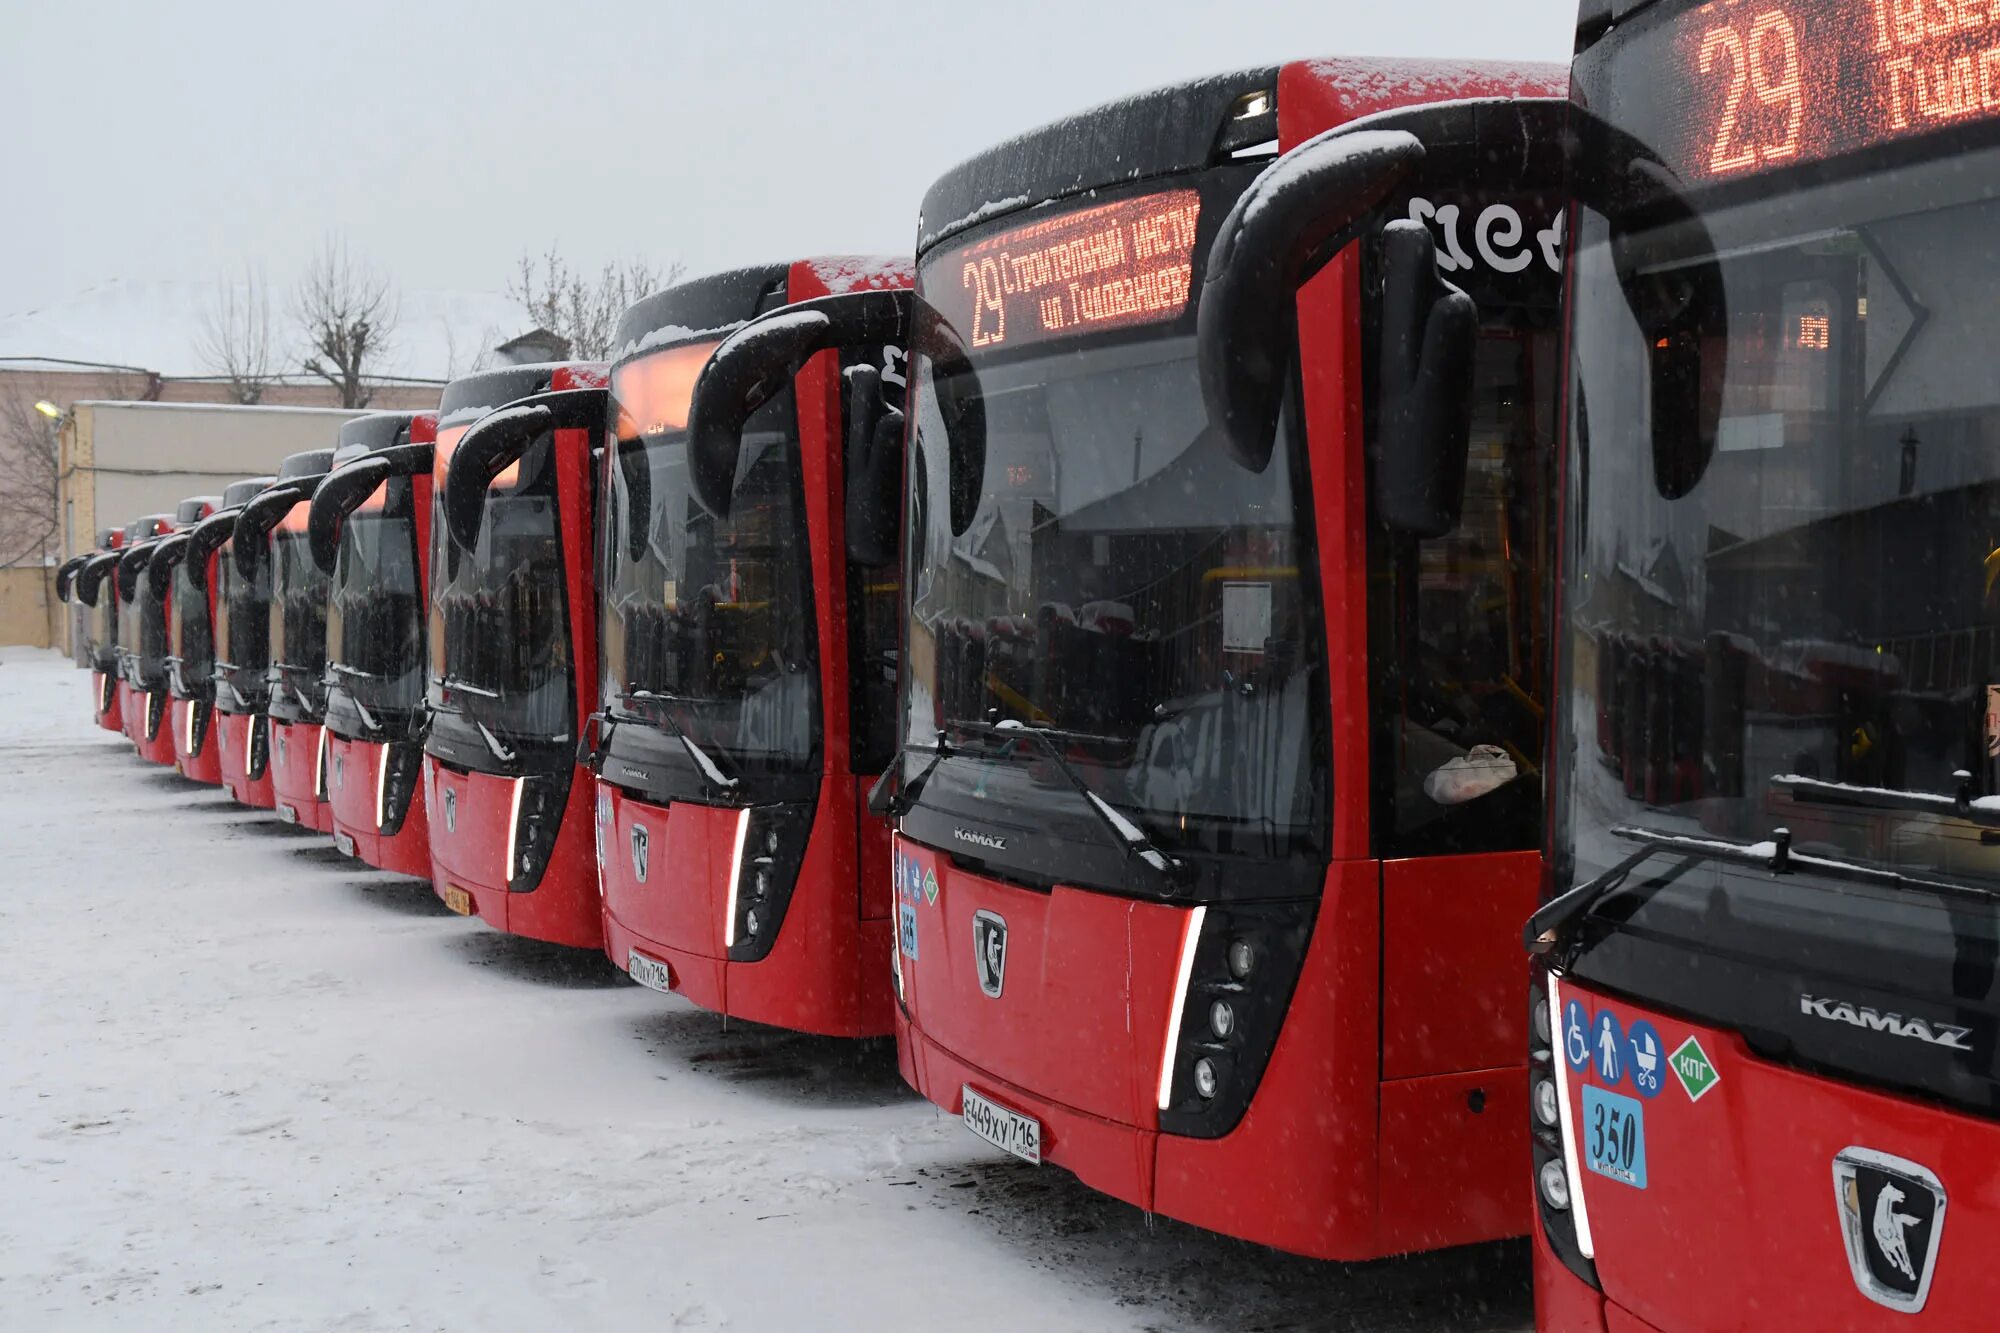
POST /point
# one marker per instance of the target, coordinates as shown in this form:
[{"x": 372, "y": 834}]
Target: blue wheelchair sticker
[
  {"x": 906, "y": 930},
  {"x": 1614, "y": 1136},
  {"x": 1576, "y": 1035}
]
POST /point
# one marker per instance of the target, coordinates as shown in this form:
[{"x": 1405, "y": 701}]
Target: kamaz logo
[
  {"x": 978, "y": 839},
  {"x": 1861, "y": 1016}
]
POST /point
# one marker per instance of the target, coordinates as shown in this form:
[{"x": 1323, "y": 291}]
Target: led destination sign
[
  {"x": 1768, "y": 85},
  {"x": 1106, "y": 267}
]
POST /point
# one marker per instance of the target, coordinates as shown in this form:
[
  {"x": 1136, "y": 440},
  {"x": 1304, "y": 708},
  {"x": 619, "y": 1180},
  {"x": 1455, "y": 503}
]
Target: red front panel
[
  {"x": 151, "y": 733},
  {"x": 1739, "y": 1221},
  {"x": 198, "y": 761},
  {"x": 105, "y": 698},
  {"x": 827, "y": 971},
  {"x": 128, "y": 712},
  {"x": 470, "y": 846},
  {"x": 232, "y": 740},
  {"x": 295, "y": 768},
  {"x": 1082, "y": 1015},
  {"x": 354, "y": 772},
  {"x": 1564, "y": 1302}
]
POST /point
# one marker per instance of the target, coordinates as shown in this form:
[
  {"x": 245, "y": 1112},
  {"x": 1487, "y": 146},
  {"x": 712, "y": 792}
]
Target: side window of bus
[{"x": 1459, "y": 625}]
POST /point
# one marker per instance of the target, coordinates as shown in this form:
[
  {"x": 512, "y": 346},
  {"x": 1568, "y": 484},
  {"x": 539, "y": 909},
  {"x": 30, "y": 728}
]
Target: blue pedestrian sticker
[
  {"x": 1576, "y": 1035},
  {"x": 1614, "y": 1136},
  {"x": 906, "y": 930},
  {"x": 1648, "y": 1057},
  {"x": 1607, "y": 1048}
]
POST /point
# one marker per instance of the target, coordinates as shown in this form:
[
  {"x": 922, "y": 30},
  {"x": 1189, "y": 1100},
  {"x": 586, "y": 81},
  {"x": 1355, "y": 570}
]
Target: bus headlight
[
  {"x": 1554, "y": 1184},
  {"x": 534, "y": 820},
  {"x": 770, "y": 847}
]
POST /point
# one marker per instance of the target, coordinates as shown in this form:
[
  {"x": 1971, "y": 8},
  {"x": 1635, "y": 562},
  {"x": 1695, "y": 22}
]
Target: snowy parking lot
[{"x": 246, "y": 1083}]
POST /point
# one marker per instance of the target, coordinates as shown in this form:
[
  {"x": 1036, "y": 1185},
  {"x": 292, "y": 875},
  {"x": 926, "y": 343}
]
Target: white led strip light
[
  {"x": 319, "y": 769},
  {"x": 514, "y": 826},
  {"x": 381, "y": 788},
  {"x": 189, "y": 704},
  {"x": 1190, "y": 936},
  {"x": 249, "y": 744},
  {"x": 1578, "y": 1211},
  {"x": 735, "y": 875}
]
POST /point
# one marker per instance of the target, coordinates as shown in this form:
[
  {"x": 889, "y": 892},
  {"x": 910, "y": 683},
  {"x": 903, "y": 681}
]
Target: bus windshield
[
  {"x": 1801, "y": 648},
  {"x": 1124, "y": 585},
  {"x": 192, "y": 639},
  {"x": 710, "y": 619},
  {"x": 499, "y": 644},
  {"x": 375, "y": 615},
  {"x": 298, "y": 625},
  {"x": 242, "y": 633}
]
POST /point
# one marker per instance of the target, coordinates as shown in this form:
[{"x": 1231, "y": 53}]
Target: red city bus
[
  {"x": 241, "y": 646},
  {"x": 190, "y": 657},
  {"x": 271, "y": 531},
  {"x": 93, "y": 590},
  {"x": 1224, "y": 674},
  {"x": 142, "y": 643},
  {"x": 369, "y": 531},
  {"x": 513, "y": 650},
  {"x": 1764, "y": 1034},
  {"x": 79, "y": 610},
  {"x": 747, "y": 641}
]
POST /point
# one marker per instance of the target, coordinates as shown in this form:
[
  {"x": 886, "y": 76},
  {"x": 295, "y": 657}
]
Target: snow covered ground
[{"x": 247, "y": 1084}]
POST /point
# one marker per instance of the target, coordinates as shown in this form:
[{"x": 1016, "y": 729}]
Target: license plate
[
  {"x": 343, "y": 844},
  {"x": 458, "y": 900},
  {"x": 288, "y": 814},
  {"x": 649, "y": 971},
  {"x": 1009, "y": 1131},
  {"x": 1614, "y": 1136}
]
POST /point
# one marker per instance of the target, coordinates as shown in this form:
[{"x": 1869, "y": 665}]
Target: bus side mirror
[
  {"x": 66, "y": 576},
  {"x": 874, "y": 473},
  {"x": 754, "y": 364},
  {"x": 91, "y": 577},
  {"x": 494, "y": 441},
  {"x": 1293, "y": 218},
  {"x": 338, "y": 496},
  {"x": 1683, "y": 318},
  {"x": 206, "y": 539},
  {"x": 253, "y": 526},
  {"x": 1424, "y": 402},
  {"x": 160, "y": 569}
]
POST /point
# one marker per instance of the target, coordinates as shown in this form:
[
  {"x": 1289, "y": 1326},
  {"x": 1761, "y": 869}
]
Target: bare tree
[
  {"x": 29, "y": 480},
  {"x": 584, "y": 311},
  {"x": 235, "y": 341},
  {"x": 346, "y": 313}
]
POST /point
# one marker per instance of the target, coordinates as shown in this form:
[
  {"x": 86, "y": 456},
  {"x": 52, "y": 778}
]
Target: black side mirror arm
[
  {"x": 259, "y": 516},
  {"x": 752, "y": 365},
  {"x": 1283, "y": 229},
  {"x": 338, "y": 496},
  {"x": 500, "y": 438}
]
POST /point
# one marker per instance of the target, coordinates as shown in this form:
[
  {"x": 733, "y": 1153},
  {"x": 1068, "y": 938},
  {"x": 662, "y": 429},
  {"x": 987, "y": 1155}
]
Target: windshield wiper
[
  {"x": 1983, "y": 811},
  {"x": 1130, "y": 837},
  {"x": 1554, "y": 921},
  {"x": 656, "y": 705},
  {"x": 462, "y": 686},
  {"x": 494, "y": 743},
  {"x": 898, "y": 801}
]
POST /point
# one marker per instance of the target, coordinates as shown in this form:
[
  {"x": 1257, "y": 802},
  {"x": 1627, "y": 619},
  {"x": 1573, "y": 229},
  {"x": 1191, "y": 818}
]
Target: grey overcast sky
[{"x": 181, "y": 140}]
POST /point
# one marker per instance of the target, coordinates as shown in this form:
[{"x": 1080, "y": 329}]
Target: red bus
[
  {"x": 189, "y": 612},
  {"x": 1224, "y": 674},
  {"x": 271, "y": 531},
  {"x": 80, "y": 611},
  {"x": 369, "y": 531},
  {"x": 142, "y": 643},
  {"x": 94, "y": 591},
  {"x": 1765, "y": 1089},
  {"x": 241, "y": 646},
  {"x": 747, "y": 640},
  {"x": 513, "y": 650}
]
